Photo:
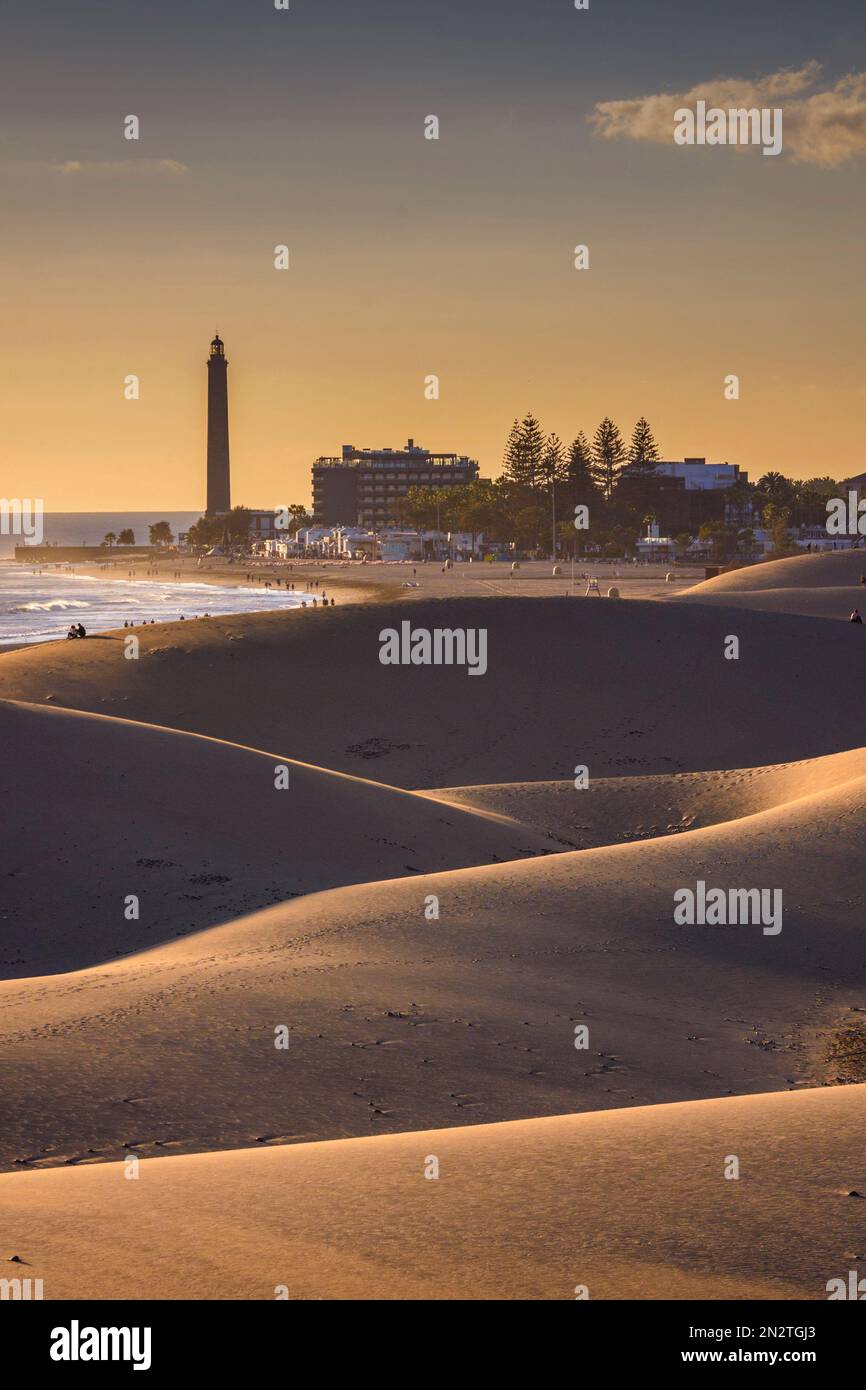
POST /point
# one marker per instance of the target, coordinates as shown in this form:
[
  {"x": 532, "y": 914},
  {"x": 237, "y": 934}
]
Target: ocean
[
  {"x": 40, "y": 607},
  {"x": 88, "y": 528}
]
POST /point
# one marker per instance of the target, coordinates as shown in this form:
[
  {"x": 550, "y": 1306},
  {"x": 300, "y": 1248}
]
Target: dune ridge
[
  {"x": 818, "y": 570},
  {"x": 628, "y": 1204},
  {"x": 623, "y": 688},
  {"x": 825, "y": 585},
  {"x": 386, "y": 1008},
  {"x": 611, "y": 810},
  {"x": 198, "y": 831}
]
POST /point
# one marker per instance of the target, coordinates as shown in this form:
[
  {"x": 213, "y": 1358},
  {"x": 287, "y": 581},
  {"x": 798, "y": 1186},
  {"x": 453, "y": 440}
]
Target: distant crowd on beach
[
  {"x": 313, "y": 584},
  {"x": 78, "y": 629}
]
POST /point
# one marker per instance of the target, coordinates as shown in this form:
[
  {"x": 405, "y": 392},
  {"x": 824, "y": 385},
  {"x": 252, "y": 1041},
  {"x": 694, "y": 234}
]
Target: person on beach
[
  {"x": 855, "y": 616},
  {"x": 81, "y": 631},
  {"x": 72, "y": 631}
]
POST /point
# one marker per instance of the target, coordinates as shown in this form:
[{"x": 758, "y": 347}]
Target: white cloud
[
  {"x": 104, "y": 168},
  {"x": 826, "y": 127},
  {"x": 123, "y": 168}
]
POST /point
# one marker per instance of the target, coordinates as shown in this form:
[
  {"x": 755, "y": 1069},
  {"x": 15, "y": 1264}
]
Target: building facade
[
  {"x": 700, "y": 476},
  {"x": 685, "y": 495},
  {"x": 363, "y": 486}
]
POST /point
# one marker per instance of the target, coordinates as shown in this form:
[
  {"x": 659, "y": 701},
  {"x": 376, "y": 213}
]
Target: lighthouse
[{"x": 218, "y": 485}]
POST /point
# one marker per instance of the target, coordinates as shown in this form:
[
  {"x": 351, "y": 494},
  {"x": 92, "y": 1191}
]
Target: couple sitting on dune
[{"x": 76, "y": 630}]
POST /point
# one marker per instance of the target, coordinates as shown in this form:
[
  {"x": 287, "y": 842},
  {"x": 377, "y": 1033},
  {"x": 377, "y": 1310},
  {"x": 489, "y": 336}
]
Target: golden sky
[{"x": 412, "y": 257}]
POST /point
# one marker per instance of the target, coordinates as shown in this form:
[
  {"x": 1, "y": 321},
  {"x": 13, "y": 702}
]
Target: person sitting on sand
[
  {"x": 73, "y": 631},
  {"x": 855, "y": 616},
  {"x": 81, "y": 630}
]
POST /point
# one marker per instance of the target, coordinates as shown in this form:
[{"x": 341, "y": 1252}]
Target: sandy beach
[
  {"x": 428, "y": 913},
  {"x": 355, "y": 582}
]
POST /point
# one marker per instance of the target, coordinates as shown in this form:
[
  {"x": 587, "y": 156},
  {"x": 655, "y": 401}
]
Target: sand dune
[
  {"x": 831, "y": 569},
  {"x": 814, "y": 586},
  {"x": 837, "y": 604},
  {"x": 628, "y": 1204},
  {"x": 616, "y": 810},
  {"x": 622, "y": 688},
  {"x": 197, "y": 831},
  {"x": 399, "y": 1022}
]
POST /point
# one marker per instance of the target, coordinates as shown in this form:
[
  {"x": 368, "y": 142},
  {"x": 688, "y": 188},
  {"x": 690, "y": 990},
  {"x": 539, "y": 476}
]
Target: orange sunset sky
[{"x": 411, "y": 257}]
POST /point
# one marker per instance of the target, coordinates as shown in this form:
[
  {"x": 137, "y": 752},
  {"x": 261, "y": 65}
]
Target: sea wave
[
  {"x": 51, "y": 603},
  {"x": 37, "y": 606}
]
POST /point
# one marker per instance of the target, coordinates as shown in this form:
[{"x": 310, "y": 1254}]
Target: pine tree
[
  {"x": 552, "y": 470},
  {"x": 511, "y": 457},
  {"x": 643, "y": 452},
  {"x": 580, "y": 475},
  {"x": 524, "y": 453},
  {"x": 553, "y": 475},
  {"x": 608, "y": 454}
]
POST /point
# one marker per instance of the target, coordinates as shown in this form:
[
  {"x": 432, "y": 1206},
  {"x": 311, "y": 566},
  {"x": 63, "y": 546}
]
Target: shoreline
[
  {"x": 356, "y": 584},
  {"x": 100, "y": 625},
  {"x": 378, "y": 582},
  {"x": 221, "y": 575}
]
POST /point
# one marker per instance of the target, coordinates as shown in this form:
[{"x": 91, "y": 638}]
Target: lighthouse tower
[{"x": 218, "y": 486}]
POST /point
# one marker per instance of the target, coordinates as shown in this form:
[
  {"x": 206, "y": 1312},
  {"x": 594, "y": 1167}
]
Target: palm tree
[{"x": 776, "y": 488}]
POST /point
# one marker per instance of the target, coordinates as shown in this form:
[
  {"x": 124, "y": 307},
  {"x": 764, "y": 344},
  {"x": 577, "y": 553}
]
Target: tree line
[
  {"x": 160, "y": 534},
  {"x": 532, "y": 504}
]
